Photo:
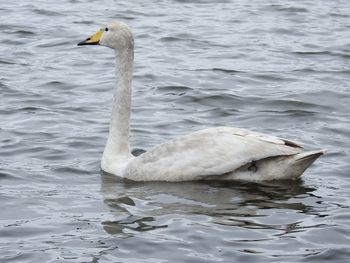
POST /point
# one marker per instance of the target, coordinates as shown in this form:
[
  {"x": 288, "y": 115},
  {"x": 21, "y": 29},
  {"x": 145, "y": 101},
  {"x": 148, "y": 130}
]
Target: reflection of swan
[
  {"x": 146, "y": 206},
  {"x": 219, "y": 153}
]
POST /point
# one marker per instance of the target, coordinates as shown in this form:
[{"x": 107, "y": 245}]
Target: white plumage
[{"x": 220, "y": 153}]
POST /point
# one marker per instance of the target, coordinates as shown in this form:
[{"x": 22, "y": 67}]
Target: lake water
[{"x": 280, "y": 67}]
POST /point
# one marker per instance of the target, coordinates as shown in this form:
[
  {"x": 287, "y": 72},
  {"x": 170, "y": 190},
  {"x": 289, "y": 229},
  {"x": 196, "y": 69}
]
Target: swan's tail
[
  {"x": 298, "y": 163},
  {"x": 309, "y": 155},
  {"x": 285, "y": 167}
]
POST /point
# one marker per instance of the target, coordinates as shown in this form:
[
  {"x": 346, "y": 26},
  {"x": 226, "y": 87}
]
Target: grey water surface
[{"x": 279, "y": 67}]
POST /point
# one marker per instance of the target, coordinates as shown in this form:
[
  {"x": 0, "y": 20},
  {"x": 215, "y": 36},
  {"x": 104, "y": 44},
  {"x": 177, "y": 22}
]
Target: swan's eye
[{"x": 106, "y": 29}]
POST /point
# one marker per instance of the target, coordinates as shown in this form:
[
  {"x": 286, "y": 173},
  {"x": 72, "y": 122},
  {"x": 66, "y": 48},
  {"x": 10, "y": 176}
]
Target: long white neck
[{"x": 117, "y": 150}]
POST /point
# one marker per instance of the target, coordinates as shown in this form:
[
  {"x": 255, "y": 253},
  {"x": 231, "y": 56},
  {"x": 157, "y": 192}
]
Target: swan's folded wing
[{"x": 213, "y": 151}]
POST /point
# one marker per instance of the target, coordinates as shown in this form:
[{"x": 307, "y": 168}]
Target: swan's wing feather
[{"x": 208, "y": 152}]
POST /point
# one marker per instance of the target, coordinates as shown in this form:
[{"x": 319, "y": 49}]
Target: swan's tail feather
[
  {"x": 285, "y": 167},
  {"x": 301, "y": 161},
  {"x": 309, "y": 157}
]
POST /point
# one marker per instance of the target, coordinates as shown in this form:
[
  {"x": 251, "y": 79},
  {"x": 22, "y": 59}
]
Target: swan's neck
[{"x": 117, "y": 150}]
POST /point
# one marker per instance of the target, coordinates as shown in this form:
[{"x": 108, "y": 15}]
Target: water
[{"x": 280, "y": 68}]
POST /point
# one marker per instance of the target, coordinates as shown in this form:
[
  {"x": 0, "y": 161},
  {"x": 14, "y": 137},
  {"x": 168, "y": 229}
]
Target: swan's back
[{"x": 207, "y": 153}]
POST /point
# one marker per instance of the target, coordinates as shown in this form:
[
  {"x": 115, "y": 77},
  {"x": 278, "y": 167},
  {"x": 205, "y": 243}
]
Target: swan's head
[{"x": 115, "y": 35}]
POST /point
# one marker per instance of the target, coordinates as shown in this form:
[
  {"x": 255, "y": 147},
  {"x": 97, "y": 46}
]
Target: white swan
[{"x": 219, "y": 153}]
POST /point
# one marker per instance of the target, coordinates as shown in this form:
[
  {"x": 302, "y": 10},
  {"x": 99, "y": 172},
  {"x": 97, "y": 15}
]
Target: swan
[{"x": 218, "y": 153}]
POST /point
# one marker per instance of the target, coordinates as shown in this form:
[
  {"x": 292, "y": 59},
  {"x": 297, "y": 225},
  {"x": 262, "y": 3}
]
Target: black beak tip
[{"x": 83, "y": 43}]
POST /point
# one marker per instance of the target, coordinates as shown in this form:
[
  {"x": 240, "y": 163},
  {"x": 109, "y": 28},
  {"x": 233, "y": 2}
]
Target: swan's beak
[{"x": 93, "y": 40}]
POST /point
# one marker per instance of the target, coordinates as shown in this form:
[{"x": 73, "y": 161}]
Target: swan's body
[{"x": 220, "y": 153}]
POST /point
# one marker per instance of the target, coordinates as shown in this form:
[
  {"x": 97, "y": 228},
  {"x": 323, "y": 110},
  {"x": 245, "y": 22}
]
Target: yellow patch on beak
[{"x": 93, "y": 40}]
